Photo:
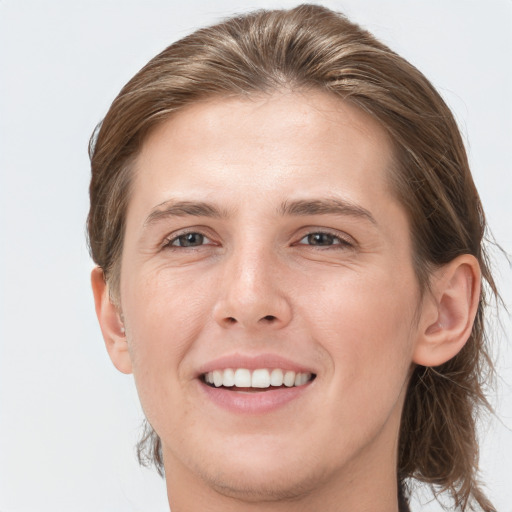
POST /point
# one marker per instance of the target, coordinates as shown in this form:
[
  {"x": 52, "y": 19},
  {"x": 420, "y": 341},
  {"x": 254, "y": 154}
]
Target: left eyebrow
[{"x": 326, "y": 206}]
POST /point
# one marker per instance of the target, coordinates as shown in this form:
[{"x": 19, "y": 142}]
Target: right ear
[{"x": 111, "y": 323}]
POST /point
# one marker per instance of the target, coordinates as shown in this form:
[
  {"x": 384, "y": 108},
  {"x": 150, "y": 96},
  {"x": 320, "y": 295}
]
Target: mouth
[
  {"x": 257, "y": 380},
  {"x": 256, "y": 383}
]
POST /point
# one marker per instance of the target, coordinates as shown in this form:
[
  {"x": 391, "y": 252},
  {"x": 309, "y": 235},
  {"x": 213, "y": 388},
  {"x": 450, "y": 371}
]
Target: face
[{"x": 268, "y": 294}]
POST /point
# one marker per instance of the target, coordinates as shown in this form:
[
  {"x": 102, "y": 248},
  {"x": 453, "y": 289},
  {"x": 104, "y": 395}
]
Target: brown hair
[{"x": 311, "y": 47}]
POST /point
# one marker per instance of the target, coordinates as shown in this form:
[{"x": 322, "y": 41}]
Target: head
[{"x": 313, "y": 64}]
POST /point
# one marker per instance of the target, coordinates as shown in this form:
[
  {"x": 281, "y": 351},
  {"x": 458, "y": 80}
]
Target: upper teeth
[{"x": 260, "y": 378}]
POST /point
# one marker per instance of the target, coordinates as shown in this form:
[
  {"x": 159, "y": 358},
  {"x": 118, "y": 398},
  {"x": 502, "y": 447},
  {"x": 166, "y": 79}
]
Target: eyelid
[
  {"x": 172, "y": 237},
  {"x": 344, "y": 238}
]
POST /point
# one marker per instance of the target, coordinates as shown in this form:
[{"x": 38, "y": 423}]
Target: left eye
[
  {"x": 322, "y": 239},
  {"x": 189, "y": 240}
]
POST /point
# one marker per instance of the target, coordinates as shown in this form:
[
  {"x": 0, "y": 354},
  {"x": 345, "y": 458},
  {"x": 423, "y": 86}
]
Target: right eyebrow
[{"x": 182, "y": 209}]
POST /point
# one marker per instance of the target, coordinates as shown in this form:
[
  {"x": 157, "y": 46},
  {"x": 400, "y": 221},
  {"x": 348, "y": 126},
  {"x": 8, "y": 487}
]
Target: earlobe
[
  {"x": 449, "y": 312},
  {"x": 111, "y": 324}
]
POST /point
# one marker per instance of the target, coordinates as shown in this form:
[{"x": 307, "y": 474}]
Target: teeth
[
  {"x": 289, "y": 379},
  {"x": 228, "y": 378},
  {"x": 242, "y": 378},
  {"x": 260, "y": 378},
  {"x": 276, "y": 377},
  {"x": 218, "y": 378},
  {"x": 304, "y": 377}
]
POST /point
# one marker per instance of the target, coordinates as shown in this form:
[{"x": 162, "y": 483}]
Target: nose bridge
[
  {"x": 251, "y": 293},
  {"x": 249, "y": 267}
]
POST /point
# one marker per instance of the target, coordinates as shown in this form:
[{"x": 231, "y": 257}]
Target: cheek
[
  {"x": 164, "y": 315},
  {"x": 165, "y": 309},
  {"x": 366, "y": 326}
]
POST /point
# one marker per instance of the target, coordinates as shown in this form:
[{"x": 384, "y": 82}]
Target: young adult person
[{"x": 290, "y": 262}]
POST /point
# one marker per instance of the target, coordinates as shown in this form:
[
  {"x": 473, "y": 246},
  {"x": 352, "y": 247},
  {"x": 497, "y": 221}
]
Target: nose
[{"x": 252, "y": 294}]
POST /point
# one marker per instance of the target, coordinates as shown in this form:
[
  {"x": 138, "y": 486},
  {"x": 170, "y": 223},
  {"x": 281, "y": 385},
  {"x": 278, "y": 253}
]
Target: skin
[{"x": 350, "y": 310}]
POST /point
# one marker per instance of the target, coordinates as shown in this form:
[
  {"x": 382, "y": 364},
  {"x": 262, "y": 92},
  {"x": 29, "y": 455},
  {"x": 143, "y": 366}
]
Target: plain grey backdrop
[{"x": 68, "y": 420}]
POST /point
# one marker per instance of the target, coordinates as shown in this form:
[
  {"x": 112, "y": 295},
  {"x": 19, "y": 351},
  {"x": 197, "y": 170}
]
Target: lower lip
[{"x": 256, "y": 402}]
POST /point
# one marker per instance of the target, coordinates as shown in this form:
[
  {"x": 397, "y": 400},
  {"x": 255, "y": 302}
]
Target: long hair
[{"x": 313, "y": 48}]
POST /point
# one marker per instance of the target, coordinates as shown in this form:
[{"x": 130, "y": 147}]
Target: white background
[{"x": 68, "y": 420}]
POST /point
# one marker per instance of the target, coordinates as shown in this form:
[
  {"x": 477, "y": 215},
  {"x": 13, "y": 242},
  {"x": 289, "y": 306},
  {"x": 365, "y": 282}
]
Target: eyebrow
[
  {"x": 296, "y": 208},
  {"x": 328, "y": 206},
  {"x": 183, "y": 209}
]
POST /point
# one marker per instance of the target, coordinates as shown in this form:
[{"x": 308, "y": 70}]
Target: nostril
[
  {"x": 269, "y": 318},
  {"x": 231, "y": 320}
]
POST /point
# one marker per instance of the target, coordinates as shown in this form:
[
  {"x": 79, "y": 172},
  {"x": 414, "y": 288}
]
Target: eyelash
[
  {"x": 170, "y": 242},
  {"x": 341, "y": 241}
]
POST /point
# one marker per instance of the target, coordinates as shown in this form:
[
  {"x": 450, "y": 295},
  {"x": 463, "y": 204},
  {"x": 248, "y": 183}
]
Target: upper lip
[{"x": 253, "y": 362}]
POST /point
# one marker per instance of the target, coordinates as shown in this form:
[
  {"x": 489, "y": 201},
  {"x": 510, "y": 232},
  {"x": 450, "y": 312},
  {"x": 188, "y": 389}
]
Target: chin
[{"x": 265, "y": 484}]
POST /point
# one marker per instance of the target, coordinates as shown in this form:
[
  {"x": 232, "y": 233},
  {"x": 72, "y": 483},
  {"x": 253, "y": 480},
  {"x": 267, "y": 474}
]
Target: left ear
[{"x": 449, "y": 311}]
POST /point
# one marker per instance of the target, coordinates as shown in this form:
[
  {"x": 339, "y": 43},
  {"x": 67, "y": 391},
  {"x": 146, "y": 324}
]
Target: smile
[{"x": 258, "y": 379}]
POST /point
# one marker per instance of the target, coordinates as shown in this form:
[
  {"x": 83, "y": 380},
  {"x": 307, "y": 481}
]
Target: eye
[
  {"x": 323, "y": 240},
  {"x": 188, "y": 240}
]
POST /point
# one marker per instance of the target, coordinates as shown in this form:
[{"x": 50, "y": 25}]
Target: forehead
[{"x": 294, "y": 137}]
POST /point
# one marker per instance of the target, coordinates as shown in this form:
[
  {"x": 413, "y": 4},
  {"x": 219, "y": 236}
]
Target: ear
[
  {"x": 111, "y": 323},
  {"x": 449, "y": 311}
]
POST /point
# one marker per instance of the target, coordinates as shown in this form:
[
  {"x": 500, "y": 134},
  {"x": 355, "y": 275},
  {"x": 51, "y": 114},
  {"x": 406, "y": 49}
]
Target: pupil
[
  {"x": 320, "y": 239},
  {"x": 191, "y": 239}
]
